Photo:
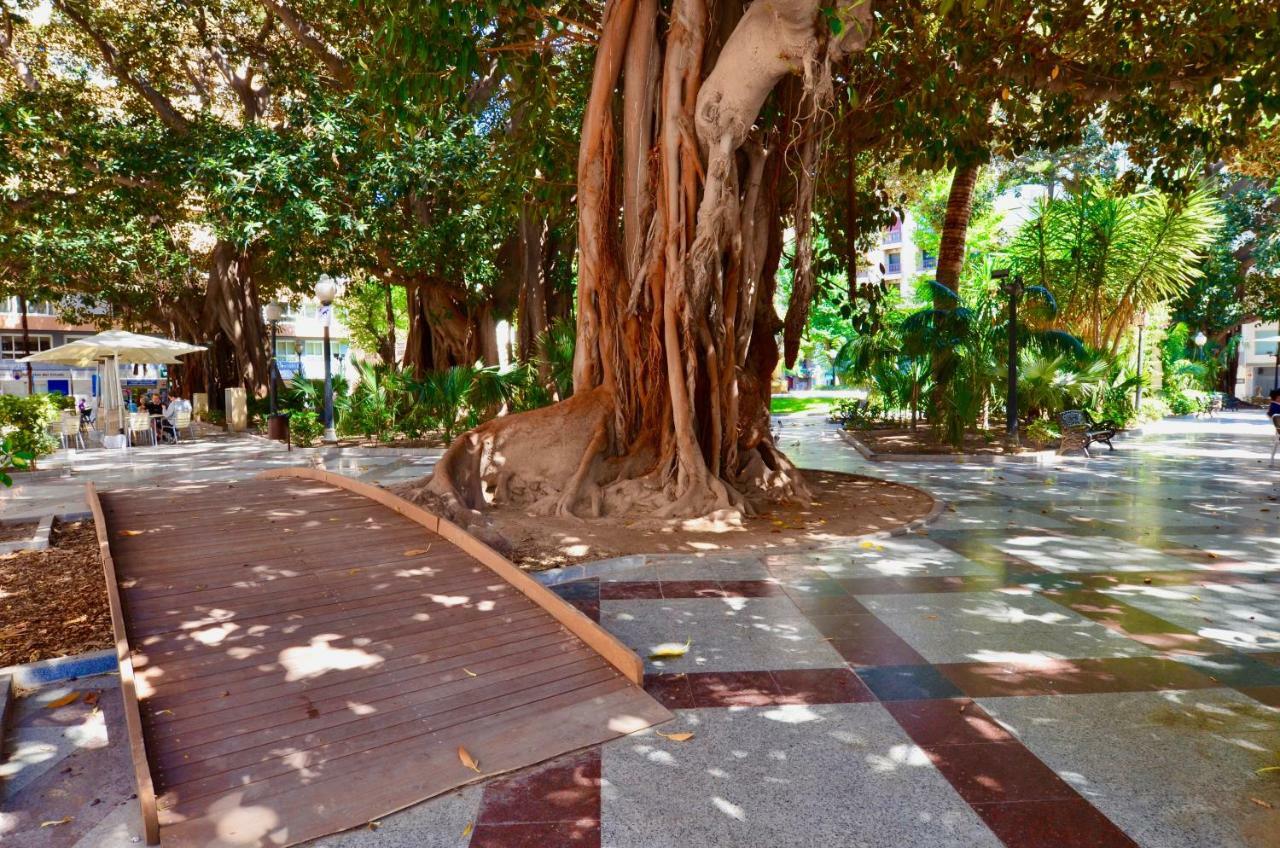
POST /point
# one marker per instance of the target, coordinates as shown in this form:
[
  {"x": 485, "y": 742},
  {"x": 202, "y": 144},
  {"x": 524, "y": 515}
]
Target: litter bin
[{"x": 278, "y": 427}]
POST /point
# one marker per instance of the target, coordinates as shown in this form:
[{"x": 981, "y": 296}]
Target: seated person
[
  {"x": 1274, "y": 407},
  {"x": 176, "y": 405},
  {"x": 155, "y": 408}
]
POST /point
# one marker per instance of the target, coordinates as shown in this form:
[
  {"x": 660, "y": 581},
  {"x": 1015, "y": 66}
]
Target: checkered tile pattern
[{"x": 1084, "y": 656}]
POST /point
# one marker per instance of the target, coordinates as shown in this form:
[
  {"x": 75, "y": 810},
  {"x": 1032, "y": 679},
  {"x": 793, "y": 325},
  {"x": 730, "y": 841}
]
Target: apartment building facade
[
  {"x": 897, "y": 259},
  {"x": 1256, "y": 362}
]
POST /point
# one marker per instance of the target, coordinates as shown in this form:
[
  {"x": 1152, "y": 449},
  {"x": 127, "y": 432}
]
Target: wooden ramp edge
[
  {"x": 285, "y": 639},
  {"x": 605, "y": 643},
  {"x": 128, "y": 688}
]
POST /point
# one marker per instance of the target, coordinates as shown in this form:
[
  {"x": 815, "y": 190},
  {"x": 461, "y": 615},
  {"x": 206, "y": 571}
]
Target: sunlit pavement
[{"x": 1084, "y": 653}]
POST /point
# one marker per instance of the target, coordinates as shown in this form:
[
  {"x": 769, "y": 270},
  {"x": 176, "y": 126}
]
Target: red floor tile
[
  {"x": 1074, "y": 677},
  {"x": 825, "y": 604},
  {"x": 672, "y": 589},
  {"x": 868, "y": 641},
  {"x": 946, "y": 722},
  {"x": 583, "y": 834},
  {"x": 933, "y": 585},
  {"x": 1269, "y": 695},
  {"x": 998, "y": 772},
  {"x": 733, "y": 689},
  {"x": 670, "y": 690},
  {"x": 566, "y": 789},
  {"x": 1070, "y": 823},
  {"x": 820, "y": 686},
  {"x": 872, "y": 585},
  {"x": 750, "y": 588},
  {"x": 631, "y": 591}
]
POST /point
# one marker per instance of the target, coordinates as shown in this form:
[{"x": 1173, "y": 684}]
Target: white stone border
[{"x": 39, "y": 541}]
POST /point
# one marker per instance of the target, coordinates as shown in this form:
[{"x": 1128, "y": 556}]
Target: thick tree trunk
[
  {"x": 676, "y": 256},
  {"x": 531, "y": 309},
  {"x": 232, "y": 308},
  {"x": 442, "y": 333}
]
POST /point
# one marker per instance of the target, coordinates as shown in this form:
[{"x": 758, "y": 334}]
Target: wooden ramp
[{"x": 309, "y": 653}]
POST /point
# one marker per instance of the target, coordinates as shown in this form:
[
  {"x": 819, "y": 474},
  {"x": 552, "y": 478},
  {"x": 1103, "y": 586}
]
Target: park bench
[{"x": 1079, "y": 430}]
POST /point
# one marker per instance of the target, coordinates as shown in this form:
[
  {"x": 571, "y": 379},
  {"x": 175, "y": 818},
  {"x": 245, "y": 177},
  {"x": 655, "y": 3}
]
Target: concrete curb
[
  {"x": 615, "y": 565},
  {"x": 329, "y": 452},
  {"x": 35, "y": 674},
  {"x": 39, "y": 540},
  {"x": 1043, "y": 457},
  {"x": 6, "y": 697}
]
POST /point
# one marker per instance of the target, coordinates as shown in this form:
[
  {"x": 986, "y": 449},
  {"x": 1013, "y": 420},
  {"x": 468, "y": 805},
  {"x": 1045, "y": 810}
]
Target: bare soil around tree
[
  {"x": 922, "y": 442},
  {"x": 53, "y": 603},
  {"x": 842, "y": 506}
]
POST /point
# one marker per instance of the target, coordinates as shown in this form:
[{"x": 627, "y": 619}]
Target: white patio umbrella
[{"x": 107, "y": 350}]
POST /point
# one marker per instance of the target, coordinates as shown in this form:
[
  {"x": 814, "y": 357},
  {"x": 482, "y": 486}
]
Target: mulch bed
[
  {"x": 53, "y": 603},
  {"x": 921, "y": 441}
]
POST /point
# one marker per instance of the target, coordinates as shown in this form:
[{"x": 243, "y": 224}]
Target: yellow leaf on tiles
[
  {"x": 1195, "y": 597},
  {"x": 470, "y": 673},
  {"x": 682, "y": 736},
  {"x": 63, "y": 701},
  {"x": 1268, "y": 770},
  {"x": 1261, "y": 803},
  {"x": 467, "y": 760},
  {"x": 466, "y": 831},
  {"x": 130, "y": 532},
  {"x": 671, "y": 650},
  {"x": 417, "y": 551},
  {"x": 56, "y": 822}
]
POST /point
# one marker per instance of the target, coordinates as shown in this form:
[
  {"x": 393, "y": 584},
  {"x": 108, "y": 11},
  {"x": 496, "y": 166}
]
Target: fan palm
[{"x": 1110, "y": 256}]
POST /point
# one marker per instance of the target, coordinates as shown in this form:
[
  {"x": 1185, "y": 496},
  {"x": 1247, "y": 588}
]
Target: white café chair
[
  {"x": 69, "y": 429},
  {"x": 182, "y": 421},
  {"x": 140, "y": 422}
]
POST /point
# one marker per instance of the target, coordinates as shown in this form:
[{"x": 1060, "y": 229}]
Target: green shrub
[
  {"x": 1153, "y": 409},
  {"x": 304, "y": 427},
  {"x": 1043, "y": 431},
  {"x": 25, "y": 423}
]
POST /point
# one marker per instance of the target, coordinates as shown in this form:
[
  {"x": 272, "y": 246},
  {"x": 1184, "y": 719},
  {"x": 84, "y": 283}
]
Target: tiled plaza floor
[{"x": 1084, "y": 653}]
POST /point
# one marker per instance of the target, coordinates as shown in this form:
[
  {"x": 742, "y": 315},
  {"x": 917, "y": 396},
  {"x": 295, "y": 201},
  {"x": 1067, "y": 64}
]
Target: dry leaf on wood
[
  {"x": 416, "y": 551},
  {"x": 470, "y": 673},
  {"x": 467, "y": 760},
  {"x": 130, "y": 532}
]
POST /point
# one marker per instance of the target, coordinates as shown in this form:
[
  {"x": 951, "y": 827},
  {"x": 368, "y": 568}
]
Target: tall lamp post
[
  {"x": 1200, "y": 341},
  {"x": 299, "y": 346},
  {"x": 326, "y": 292},
  {"x": 1137, "y": 390},
  {"x": 1012, "y": 286},
  {"x": 277, "y": 425}
]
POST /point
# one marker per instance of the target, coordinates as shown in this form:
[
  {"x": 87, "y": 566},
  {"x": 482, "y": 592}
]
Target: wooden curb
[
  {"x": 128, "y": 689},
  {"x": 602, "y": 641}
]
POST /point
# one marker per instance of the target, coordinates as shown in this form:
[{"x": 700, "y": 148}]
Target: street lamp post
[
  {"x": 299, "y": 346},
  {"x": 1012, "y": 287},
  {"x": 1137, "y": 390},
  {"x": 277, "y": 424},
  {"x": 326, "y": 292},
  {"x": 1200, "y": 341}
]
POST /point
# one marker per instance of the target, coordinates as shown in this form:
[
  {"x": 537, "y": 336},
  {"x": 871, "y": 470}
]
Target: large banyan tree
[{"x": 699, "y": 147}]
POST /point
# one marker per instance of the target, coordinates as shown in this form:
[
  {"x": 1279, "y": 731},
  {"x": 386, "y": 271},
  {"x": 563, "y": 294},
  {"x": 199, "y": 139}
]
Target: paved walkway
[{"x": 1081, "y": 654}]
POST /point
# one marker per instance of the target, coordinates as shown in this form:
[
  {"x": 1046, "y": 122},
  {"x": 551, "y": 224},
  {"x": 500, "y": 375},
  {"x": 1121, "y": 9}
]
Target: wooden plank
[
  {"x": 245, "y": 709},
  {"x": 128, "y": 688},
  {"x": 608, "y": 645}
]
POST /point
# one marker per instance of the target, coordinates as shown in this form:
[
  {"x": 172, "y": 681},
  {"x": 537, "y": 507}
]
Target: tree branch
[
  {"x": 164, "y": 109},
  {"x": 15, "y": 60},
  {"x": 311, "y": 40}
]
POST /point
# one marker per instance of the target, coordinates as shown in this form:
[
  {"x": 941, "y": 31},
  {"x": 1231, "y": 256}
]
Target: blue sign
[{"x": 288, "y": 370}]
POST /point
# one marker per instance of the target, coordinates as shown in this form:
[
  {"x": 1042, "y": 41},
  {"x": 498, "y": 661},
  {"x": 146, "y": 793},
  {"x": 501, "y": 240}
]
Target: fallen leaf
[
  {"x": 164, "y": 712},
  {"x": 91, "y": 698},
  {"x": 353, "y": 572},
  {"x": 56, "y": 822},
  {"x": 681, "y": 736},
  {"x": 1268, "y": 769},
  {"x": 1261, "y": 803},
  {"x": 467, "y": 760},
  {"x": 77, "y": 620},
  {"x": 130, "y": 532},
  {"x": 63, "y": 701},
  {"x": 931, "y": 618},
  {"x": 374, "y": 825},
  {"x": 466, "y": 831},
  {"x": 671, "y": 651},
  {"x": 1195, "y": 597},
  {"x": 470, "y": 673},
  {"x": 416, "y": 551}
]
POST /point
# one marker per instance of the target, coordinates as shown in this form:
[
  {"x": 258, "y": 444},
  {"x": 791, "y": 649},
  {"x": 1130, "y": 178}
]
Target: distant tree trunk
[
  {"x": 955, "y": 225},
  {"x": 531, "y": 311},
  {"x": 232, "y": 308},
  {"x": 26, "y": 344},
  {"x": 387, "y": 345}
]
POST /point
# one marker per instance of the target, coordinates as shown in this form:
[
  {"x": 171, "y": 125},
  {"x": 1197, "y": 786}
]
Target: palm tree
[{"x": 1109, "y": 256}]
